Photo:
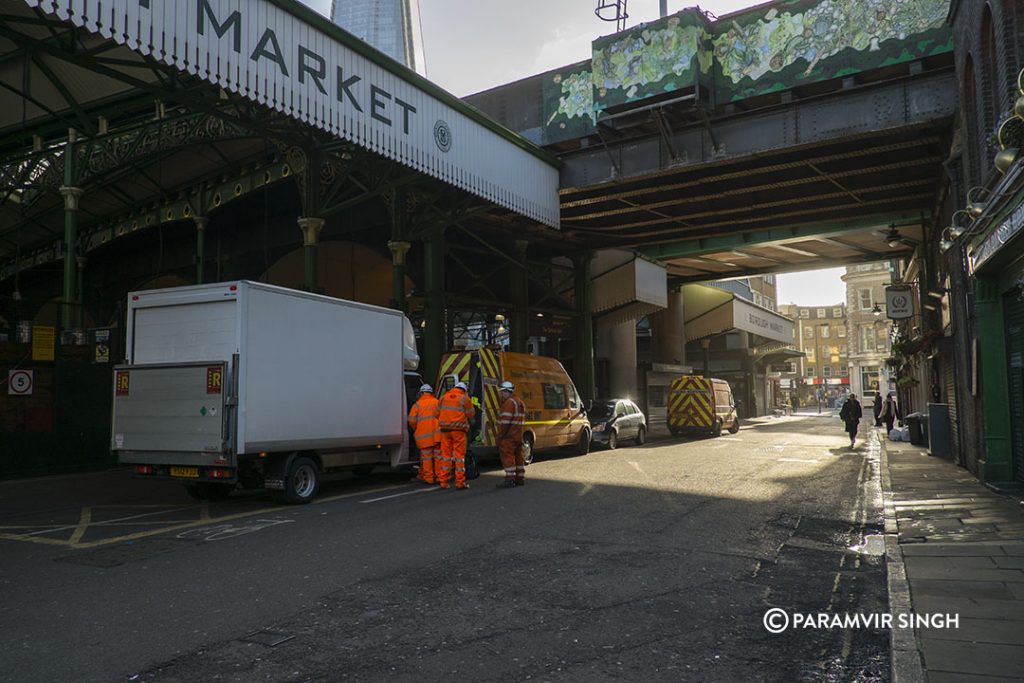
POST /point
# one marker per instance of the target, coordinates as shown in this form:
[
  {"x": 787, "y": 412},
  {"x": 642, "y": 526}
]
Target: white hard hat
[
  {"x": 426, "y": 389},
  {"x": 507, "y": 386},
  {"x": 462, "y": 385}
]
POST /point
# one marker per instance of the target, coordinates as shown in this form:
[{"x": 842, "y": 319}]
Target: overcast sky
[{"x": 473, "y": 45}]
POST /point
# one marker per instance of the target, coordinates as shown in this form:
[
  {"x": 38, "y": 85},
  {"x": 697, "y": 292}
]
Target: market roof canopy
[
  {"x": 709, "y": 311},
  {"x": 282, "y": 55}
]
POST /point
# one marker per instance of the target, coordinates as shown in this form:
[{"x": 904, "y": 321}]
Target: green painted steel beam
[{"x": 711, "y": 244}]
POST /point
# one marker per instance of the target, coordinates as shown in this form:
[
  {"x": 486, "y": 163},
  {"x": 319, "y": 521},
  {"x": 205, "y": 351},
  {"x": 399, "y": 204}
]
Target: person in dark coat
[
  {"x": 890, "y": 412},
  {"x": 877, "y": 408},
  {"x": 851, "y": 415}
]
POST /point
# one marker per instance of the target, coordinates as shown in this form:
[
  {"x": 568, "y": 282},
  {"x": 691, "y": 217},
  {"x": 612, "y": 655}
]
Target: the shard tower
[{"x": 391, "y": 26}]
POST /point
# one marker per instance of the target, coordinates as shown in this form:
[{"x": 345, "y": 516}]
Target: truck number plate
[{"x": 192, "y": 472}]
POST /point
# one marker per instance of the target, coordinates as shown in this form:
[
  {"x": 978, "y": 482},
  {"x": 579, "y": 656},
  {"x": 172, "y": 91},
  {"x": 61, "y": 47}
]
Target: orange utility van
[
  {"x": 554, "y": 412},
  {"x": 698, "y": 404}
]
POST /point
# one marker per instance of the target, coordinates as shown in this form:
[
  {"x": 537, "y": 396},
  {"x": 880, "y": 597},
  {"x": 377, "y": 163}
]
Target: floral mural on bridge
[
  {"x": 766, "y": 49},
  {"x": 825, "y": 39},
  {"x": 651, "y": 59}
]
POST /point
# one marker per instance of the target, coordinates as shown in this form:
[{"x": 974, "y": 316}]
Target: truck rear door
[{"x": 171, "y": 413}]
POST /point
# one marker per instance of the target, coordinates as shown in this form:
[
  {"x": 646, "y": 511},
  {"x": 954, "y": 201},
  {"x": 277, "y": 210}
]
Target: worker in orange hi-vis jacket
[
  {"x": 456, "y": 413},
  {"x": 427, "y": 432},
  {"x": 511, "y": 418}
]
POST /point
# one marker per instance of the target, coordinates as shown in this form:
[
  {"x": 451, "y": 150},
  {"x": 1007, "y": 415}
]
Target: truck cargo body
[{"x": 233, "y": 381}]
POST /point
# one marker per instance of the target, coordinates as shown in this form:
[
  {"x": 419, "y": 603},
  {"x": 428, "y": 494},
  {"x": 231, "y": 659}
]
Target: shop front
[{"x": 996, "y": 261}]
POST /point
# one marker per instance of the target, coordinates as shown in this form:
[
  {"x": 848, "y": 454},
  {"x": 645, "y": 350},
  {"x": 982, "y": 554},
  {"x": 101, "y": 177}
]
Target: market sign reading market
[{"x": 312, "y": 71}]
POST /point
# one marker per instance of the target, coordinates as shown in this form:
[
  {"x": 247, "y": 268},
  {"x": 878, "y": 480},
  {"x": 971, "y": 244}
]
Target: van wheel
[
  {"x": 302, "y": 482},
  {"x": 716, "y": 429},
  {"x": 735, "y": 426},
  {"x": 641, "y": 436},
  {"x": 527, "y": 449},
  {"x": 613, "y": 440},
  {"x": 583, "y": 445}
]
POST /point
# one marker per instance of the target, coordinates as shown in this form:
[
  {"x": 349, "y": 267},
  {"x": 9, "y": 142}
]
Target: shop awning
[{"x": 709, "y": 311}]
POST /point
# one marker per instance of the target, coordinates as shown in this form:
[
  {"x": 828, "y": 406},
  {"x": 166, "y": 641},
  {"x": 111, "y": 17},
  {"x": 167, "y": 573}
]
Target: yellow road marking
[
  {"x": 83, "y": 524},
  {"x": 72, "y": 543}
]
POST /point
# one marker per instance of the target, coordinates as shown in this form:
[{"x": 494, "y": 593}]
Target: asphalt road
[{"x": 653, "y": 563}]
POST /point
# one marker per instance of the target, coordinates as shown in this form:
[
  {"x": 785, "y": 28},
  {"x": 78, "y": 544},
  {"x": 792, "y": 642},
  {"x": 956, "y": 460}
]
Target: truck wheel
[
  {"x": 641, "y": 436},
  {"x": 302, "y": 482},
  {"x": 735, "y": 426},
  {"x": 583, "y": 445},
  {"x": 716, "y": 428},
  {"x": 613, "y": 440},
  {"x": 527, "y": 449}
]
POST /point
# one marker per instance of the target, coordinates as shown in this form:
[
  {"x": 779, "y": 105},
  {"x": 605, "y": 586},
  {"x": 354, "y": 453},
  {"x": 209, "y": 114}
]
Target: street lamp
[{"x": 877, "y": 310}]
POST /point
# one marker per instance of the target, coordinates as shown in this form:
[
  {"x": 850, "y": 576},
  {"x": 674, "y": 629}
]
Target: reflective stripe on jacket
[
  {"x": 512, "y": 418},
  {"x": 456, "y": 412},
  {"x": 423, "y": 421}
]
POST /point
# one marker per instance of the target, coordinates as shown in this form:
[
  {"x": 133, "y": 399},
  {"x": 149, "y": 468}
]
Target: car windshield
[{"x": 602, "y": 410}]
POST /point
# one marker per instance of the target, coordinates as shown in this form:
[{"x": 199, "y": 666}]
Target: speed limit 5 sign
[{"x": 19, "y": 382}]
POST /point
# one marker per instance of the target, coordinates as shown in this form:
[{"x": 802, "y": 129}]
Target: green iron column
[
  {"x": 311, "y": 228},
  {"x": 79, "y": 316},
  {"x": 201, "y": 223},
  {"x": 991, "y": 339},
  {"x": 520, "y": 287},
  {"x": 583, "y": 362},
  {"x": 71, "y": 195},
  {"x": 398, "y": 251},
  {"x": 434, "y": 333}
]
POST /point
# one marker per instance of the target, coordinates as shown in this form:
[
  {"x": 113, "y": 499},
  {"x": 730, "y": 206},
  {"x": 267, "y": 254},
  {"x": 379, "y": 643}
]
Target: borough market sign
[{"x": 284, "y": 56}]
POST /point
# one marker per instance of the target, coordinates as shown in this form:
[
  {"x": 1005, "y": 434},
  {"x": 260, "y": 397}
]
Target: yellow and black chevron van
[
  {"x": 698, "y": 404},
  {"x": 555, "y": 415}
]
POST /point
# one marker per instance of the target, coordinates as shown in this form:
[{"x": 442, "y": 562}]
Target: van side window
[
  {"x": 554, "y": 397},
  {"x": 574, "y": 399}
]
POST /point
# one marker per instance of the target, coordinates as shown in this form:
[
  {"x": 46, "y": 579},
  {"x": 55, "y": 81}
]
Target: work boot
[
  {"x": 520, "y": 482},
  {"x": 507, "y": 484},
  {"x": 462, "y": 488}
]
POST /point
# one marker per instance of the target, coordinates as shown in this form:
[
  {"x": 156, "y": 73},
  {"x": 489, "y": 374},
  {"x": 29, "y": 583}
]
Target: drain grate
[{"x": 266, "y": 637}]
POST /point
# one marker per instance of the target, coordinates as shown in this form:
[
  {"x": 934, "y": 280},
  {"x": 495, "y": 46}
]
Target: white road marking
[
  {"x": 219, "y": 532},
  {"x": 636, "y": 466},
  {"x": 795, "y": 460},
  {"x": 396, "y": 495}
]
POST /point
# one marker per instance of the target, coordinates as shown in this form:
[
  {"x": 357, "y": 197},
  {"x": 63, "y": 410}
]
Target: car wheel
[
  {"x": 527, "y": 449},
  {"x": 735, "y": 426},
  {"x": 302, "y": 482},
  {"x": 613, "y": 440},
  {"x": 641, "y": 436},
  {"x": 583, "y": 445}
]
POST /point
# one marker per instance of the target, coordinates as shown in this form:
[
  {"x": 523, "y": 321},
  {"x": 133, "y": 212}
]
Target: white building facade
[{"x": 869, "y": 331}]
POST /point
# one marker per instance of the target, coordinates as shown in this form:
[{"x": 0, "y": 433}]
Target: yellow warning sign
[{"x": 43, "y": 338}]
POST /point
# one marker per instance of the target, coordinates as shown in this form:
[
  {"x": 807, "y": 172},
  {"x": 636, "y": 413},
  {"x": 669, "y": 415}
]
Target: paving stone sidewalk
[{"x": 962, "y": 551}]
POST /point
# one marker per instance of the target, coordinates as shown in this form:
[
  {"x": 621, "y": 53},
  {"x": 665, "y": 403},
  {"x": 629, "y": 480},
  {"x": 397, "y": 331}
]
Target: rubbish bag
[{"x": 472, "y": 469}]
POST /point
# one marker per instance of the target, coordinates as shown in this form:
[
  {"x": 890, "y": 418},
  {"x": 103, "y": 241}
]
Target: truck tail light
[
  {"x": 144, "y": 469},
  {"x": 218, "y": 473}
]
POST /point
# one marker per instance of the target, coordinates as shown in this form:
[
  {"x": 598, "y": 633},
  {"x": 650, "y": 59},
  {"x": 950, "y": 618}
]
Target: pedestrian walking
[
  {"x": 423, "y": 421},
  {"x": 454, "y": 418},
  {"x": 795, "y": 402},
  {"x": 890, "y": 412},
  {"x": 851, "y": 414},
  {"x": 510, "y": 436},
  {"x": 877, "y": 409}
]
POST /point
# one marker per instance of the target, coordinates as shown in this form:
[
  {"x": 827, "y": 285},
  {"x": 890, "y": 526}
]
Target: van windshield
[{"x": 602, "y": 410}]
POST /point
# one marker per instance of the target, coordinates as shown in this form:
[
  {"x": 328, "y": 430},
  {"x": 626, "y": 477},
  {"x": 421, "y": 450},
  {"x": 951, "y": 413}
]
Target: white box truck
[{"x": 267, "y": 387}]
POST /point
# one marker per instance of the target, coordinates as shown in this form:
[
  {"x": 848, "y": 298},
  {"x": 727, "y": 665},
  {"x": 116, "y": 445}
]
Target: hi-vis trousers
[{"x": 453, "y": 453}]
